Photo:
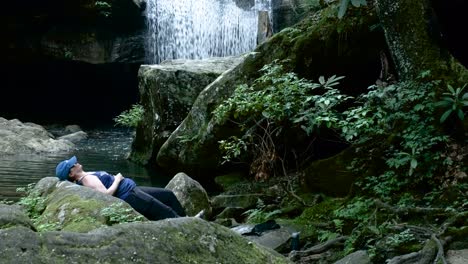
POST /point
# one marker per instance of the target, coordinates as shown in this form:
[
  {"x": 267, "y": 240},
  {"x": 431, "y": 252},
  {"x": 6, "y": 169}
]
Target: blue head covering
[{"x": 63, "y": 168}]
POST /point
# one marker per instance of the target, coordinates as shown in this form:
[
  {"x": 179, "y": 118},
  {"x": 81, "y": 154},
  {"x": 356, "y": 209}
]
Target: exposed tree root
[
  {"x": 433, "y": 251},
  {"x": 317, "y": 249},
  {"x": 413, "y": 210}
]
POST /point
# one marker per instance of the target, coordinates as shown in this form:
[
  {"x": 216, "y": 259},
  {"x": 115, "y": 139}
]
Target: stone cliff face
[
  {"x": 85, "y": 30},
  {"x": 57, "y": 53}
]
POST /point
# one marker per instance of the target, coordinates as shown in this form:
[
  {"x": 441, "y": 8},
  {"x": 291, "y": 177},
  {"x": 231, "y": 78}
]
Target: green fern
[{"x": 130, "y": 118}]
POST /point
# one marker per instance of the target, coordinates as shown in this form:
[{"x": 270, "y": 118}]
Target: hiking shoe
[{"x": 200, "y": 214}]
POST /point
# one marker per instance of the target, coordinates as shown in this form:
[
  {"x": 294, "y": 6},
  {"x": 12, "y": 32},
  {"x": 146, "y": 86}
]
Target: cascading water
[{"x": 196, "y": 29}]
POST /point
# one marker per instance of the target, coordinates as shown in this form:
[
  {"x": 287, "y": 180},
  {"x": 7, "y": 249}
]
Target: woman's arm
[
  {"x": 93, "y": 182},
  {"x": 113, "y": 188}
]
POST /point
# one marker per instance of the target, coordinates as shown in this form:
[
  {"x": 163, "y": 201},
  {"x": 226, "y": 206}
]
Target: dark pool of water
[{"x": 105, "y": 149}]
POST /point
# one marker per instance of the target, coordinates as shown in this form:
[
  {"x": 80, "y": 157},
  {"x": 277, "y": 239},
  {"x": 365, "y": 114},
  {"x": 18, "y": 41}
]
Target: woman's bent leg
[
  {"x": 165, "y": 196},
  {"x": 150, "y": 207}
]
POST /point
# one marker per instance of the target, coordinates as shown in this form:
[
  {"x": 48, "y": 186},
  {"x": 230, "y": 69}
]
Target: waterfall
[{"x": 196, "y": 29}]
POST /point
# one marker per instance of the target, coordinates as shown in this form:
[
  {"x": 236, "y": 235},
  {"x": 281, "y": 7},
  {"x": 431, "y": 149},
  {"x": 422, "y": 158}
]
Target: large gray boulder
[
  {"x": 190, "y": 194},
  {"x": 13, "y": 215},
  {"x": 178, "y": 240},
  {"x": 193, "y": 143},
  {"x": 17, "y": 137},
  {"x": 167, "y": 93}
]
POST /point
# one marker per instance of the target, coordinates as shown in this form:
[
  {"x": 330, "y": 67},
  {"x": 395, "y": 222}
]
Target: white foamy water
[{"x": 196, "y": 29}]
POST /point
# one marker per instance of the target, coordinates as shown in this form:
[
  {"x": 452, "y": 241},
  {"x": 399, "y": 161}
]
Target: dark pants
[{"x": 155, "y": 203}]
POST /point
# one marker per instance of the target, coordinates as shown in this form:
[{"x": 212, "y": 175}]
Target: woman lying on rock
[{"x": 154, "y": 203}]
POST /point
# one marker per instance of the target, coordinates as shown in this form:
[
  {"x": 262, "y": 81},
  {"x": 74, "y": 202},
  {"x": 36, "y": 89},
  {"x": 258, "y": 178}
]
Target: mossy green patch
[
  {"x": 227, "y": 181},
  {"x": 314, "y": 218}
]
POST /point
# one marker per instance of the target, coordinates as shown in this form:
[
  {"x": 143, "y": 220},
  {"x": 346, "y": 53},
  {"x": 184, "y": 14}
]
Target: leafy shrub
[
  {"x": 130, "y": 118},
  {"x": 275, "y": 102},
  {"x": 117, "y": 214},
  {"x": 260, "y": 214},
  {"x": 454, "y": 101},
  {"x": 396, "y": 124},
  {"x": 32, "y": 201}
]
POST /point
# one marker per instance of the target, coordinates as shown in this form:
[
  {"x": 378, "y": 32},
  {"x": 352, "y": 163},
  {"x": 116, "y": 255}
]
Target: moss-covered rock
[
  {"x": 13, "y": 216},
  {"x": 180, "y": 240},
  {"x": 191, "y": 195},
  {"x": 81, "y": 215},
  {"x": 331, "y": 176},
  {"x": 167, "y": 92},
  {"x": 228, "y": 181},
  {"x": 72, "y": 207}
]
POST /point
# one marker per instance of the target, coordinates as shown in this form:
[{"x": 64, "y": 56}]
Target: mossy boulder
[
  {"x": 191, "y": 195},
  {"x": 167, "y": 93},
  {"x": 82, "y": 234},
  {"x": 229, "y": 181},
  {"x": 331, "y": 176},
  {"x": 316, "y": 46},
  {"x": 71, "y": 207},
  {"x": 179, "y": 240},
  {"x": 13, "y": 216}
]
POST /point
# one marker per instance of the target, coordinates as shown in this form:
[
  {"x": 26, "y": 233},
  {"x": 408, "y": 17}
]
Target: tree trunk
[{"x": 413, "y": 41}]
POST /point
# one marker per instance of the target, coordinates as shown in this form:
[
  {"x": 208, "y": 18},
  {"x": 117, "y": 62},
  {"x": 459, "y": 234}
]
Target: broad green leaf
[
  {"x": 414, "y": 163},
  {"x": 449, "y": 99},
  {"x": 418, "y": 107},
  {"x": 450, "y": 88},
  {"x": 445, "y": 115},
  {"x": 460, "y": 114},
  {"x": 322, "y": 80}
]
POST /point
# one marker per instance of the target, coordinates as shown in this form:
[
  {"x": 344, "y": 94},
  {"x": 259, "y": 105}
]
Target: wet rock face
[
  {"x": 286, "y": 13},
  {"x": 168, "y": 91},
  {"x": 70, "y": 30},
  {"x": 17, "y": 137}
]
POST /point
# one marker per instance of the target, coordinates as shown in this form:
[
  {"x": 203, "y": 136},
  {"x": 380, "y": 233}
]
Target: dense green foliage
[
  {"x": 276, "y": 101},
  {"x": 404, "y": 155},
  {"x": 131, "y": 117},
  {"x": 34, "y": 205},
  {"x": 394, "y": 127}
]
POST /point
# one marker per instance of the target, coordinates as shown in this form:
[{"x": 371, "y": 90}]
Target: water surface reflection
[{"x": 106, "y": 149}]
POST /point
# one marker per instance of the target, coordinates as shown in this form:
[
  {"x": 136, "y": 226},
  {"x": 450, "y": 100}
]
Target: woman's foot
[{"x": 200, "y": 214}]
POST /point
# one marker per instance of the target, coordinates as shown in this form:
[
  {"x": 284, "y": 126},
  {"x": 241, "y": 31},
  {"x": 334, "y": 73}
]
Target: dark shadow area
[
  {"x": 451, "y": 22},
  {"x": 48, "y": 92}
]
